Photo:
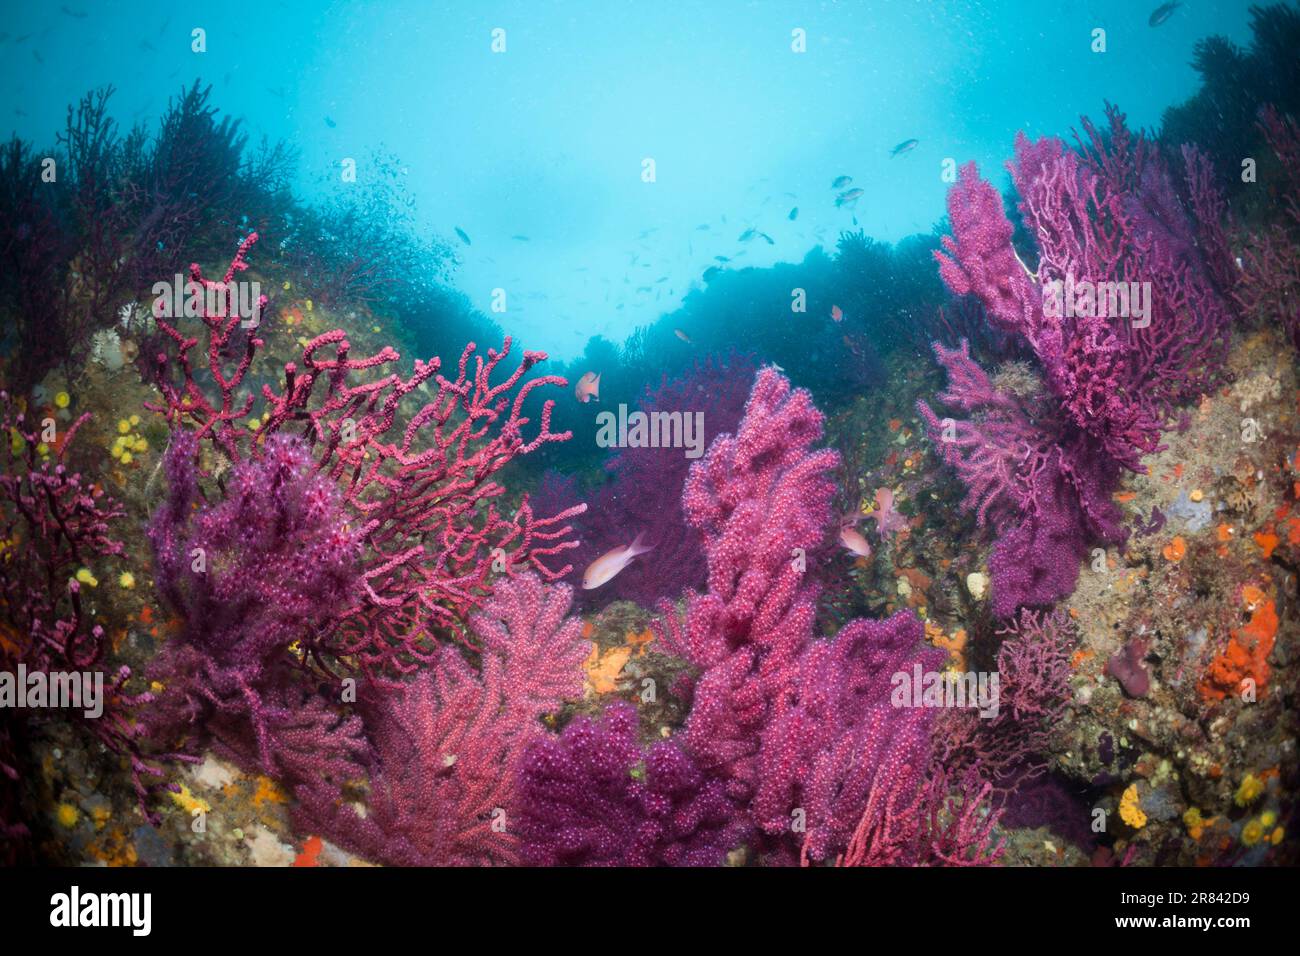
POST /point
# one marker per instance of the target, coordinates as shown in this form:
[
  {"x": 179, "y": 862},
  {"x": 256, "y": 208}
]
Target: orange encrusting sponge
[{"x": 1245, "y": 657}]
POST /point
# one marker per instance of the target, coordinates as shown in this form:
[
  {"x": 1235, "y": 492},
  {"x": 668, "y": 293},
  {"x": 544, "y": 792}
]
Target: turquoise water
[{"x": 547, "y": 139}]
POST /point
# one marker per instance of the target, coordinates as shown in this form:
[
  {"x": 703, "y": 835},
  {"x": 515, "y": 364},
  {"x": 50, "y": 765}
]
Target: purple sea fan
[
  {"x": 980, "y": 260},
  {"x": 593, "y": 797},
  {"x": 940, "y": 822},
  {"x": 249, "y": 577},
  {"x": 250, "y": 574},
  {"x": 762, "y": 501},
  {"x": 446, "y": 747},
  {"x": 1042, "y": 485},
  {"x": 761, "y": 497},
  {"x": 1270, "y": 286},
  {"x": 834, "y": 736}
]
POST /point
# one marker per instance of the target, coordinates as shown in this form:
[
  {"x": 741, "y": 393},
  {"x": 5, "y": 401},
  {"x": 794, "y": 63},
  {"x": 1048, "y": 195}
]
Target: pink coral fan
[{"x": 444, "y": 750}]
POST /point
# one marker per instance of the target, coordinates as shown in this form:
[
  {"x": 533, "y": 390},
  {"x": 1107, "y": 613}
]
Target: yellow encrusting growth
[
  {"x": 188, "y": 802},
  {"x": 67, "y": 815},
  {"x": 1130, "y": 811},
  {"x": 128, "y": 443},
  {"x": 1249, "y": 791}
]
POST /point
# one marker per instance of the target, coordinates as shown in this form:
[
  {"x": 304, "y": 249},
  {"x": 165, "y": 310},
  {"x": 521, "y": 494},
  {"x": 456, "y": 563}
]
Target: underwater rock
[
  {"x": 1126, "y": 667},
  {"x": 1195, "y": 515}
]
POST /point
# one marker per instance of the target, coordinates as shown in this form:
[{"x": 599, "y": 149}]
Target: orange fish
[
  {"x": 588, "y": 388},
  {"x": 852, "y": 539},
  {"x": 605, "y": 568},
  {"x": 837, "y": 313},
  {"x": 682, "y": 335}
]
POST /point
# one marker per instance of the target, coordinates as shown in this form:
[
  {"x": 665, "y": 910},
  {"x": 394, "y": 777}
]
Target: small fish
[
  {"x": 849, "y": 197},
  {"x": 841, "y": 182},
  {"x": 837, "y": 314},
  {"x": 853, "y": 539},
  {"x": 605, "y": 568},
  {"x": 906, "y": 146},
  {"x": 722, "y": 258},
  {"x": 682, "y": 335},
  {"x": 747, "y": 235},
  {"x": 702, "y": 227},
  {"x": 588, "y": 388},
  {"x": 794, "y": 214},
  {"x": 330, "y": 123},
  {"x": 888, "y": 521},
  {"x": 521, "y": 239},
  {"x": 766, "y": 238},
  {"x": 463, "y": 238},
  {"x": 1162, "y": 13}
]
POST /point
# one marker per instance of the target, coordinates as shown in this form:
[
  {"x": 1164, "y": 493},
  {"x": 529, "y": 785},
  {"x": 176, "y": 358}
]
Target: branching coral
[
  {"x": 416, "y": 479},
  {"x": 445, "y": 750},
  {"x": 53, "y": 523}
]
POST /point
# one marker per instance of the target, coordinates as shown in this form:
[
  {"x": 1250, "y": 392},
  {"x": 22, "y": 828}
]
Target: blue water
[{"x": 547, "y": 139}]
